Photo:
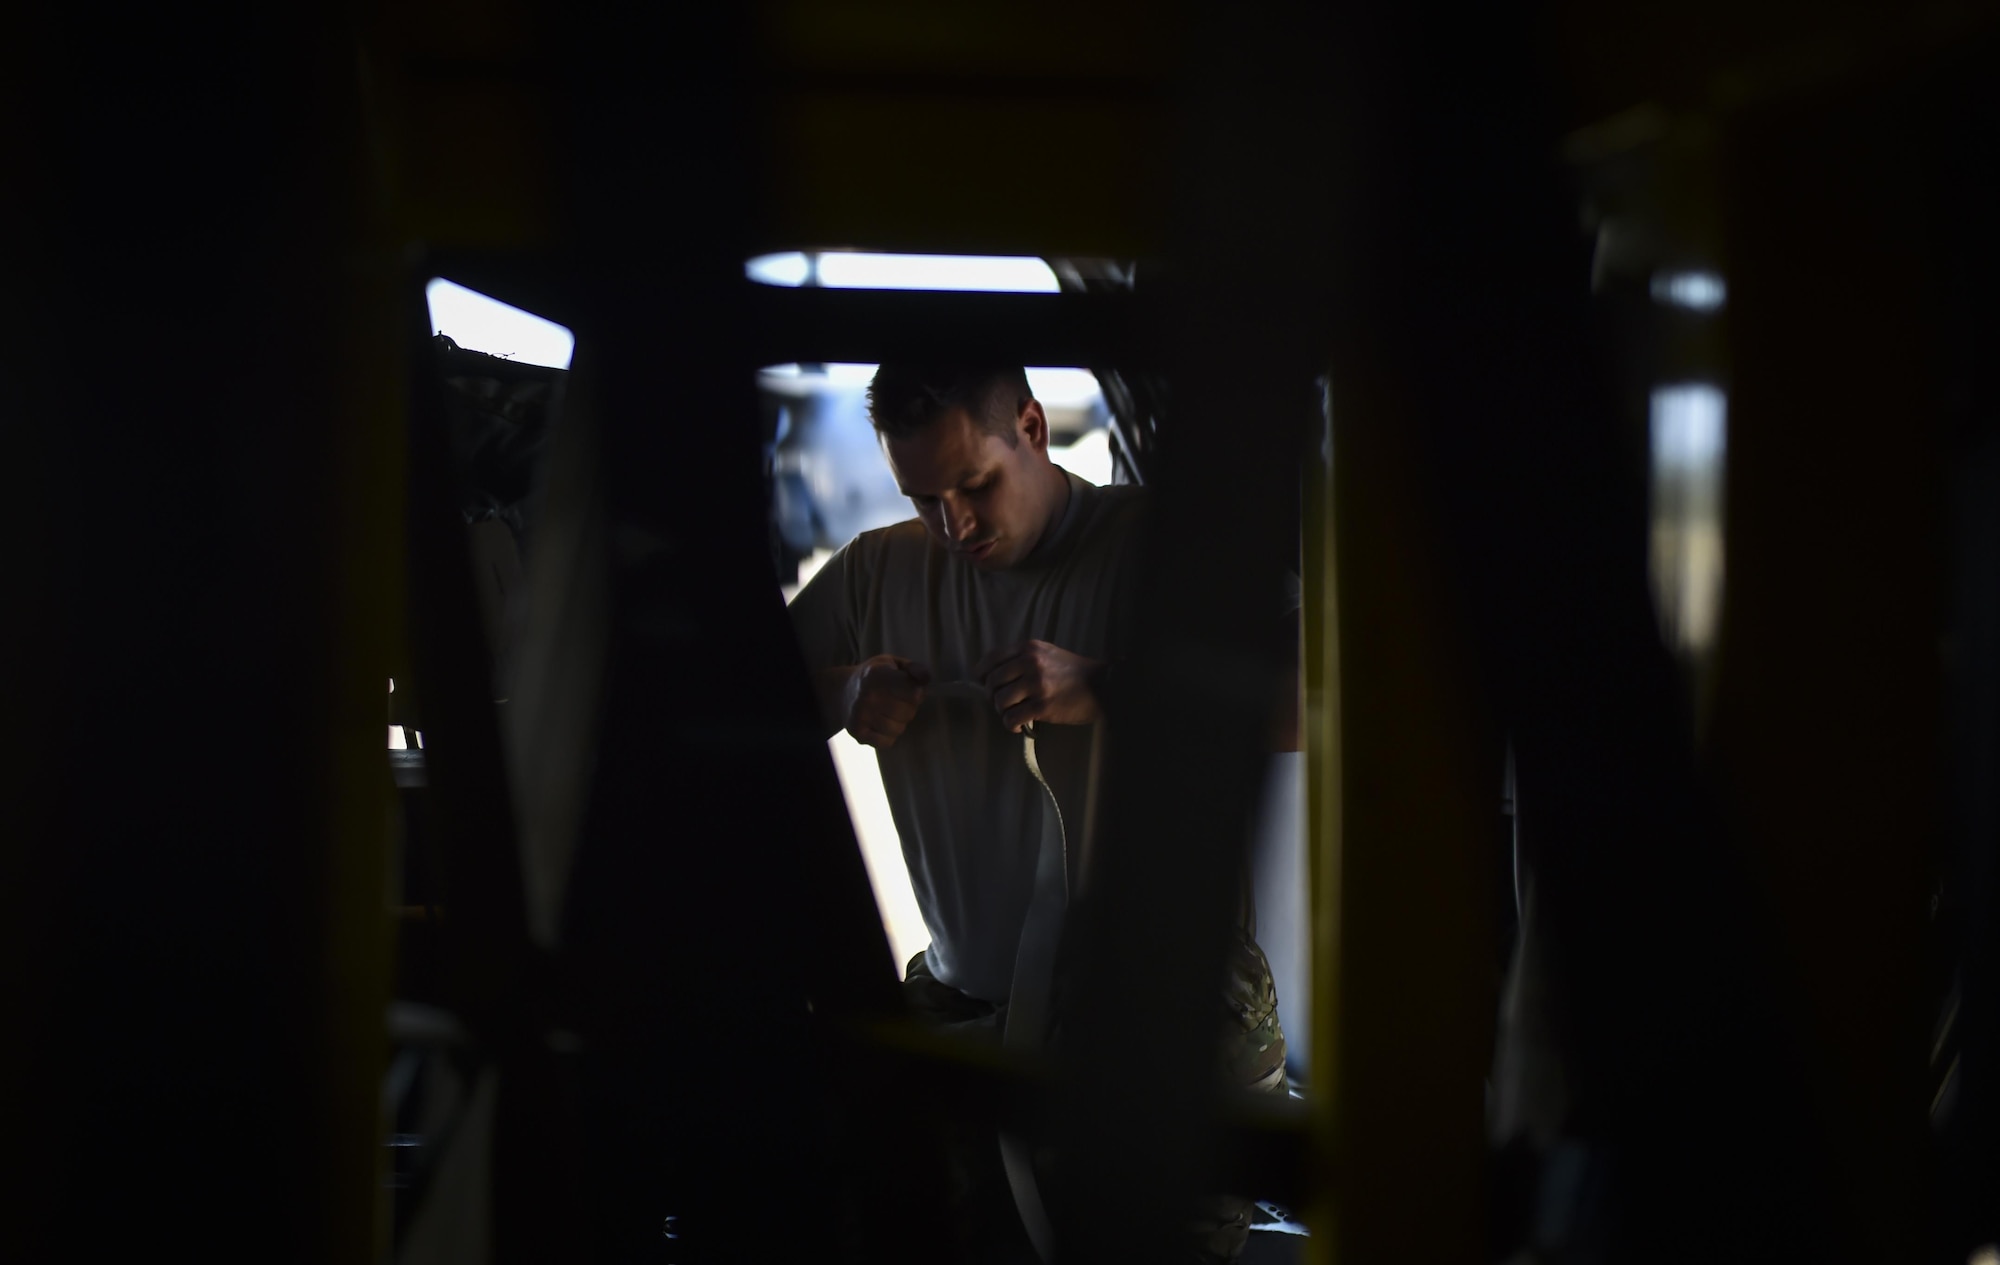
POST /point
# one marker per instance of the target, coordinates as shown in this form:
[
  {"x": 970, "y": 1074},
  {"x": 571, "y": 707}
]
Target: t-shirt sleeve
[
  {"x": 823, "y": 614},
  {"x": 1293, "y": 596}
]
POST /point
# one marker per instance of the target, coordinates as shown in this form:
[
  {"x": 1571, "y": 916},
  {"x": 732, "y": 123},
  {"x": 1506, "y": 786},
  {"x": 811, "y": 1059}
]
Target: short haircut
[{"x": 906, "y": 397}]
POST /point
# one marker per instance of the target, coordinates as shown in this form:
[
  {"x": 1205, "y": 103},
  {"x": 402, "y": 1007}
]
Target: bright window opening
[
  {"x": 1695, "y": 291},
  {"x": 1689, "y": 441},
  {"x": 480, "y": 322},
  {"x": 865, "y": 270},
  {"x": 1687, "y": 426}
]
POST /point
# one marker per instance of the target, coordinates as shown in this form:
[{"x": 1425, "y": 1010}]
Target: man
[{"x": 937, "y": 641}]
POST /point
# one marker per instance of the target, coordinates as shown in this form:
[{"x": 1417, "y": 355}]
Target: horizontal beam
[{"x": 817, "y": 324}]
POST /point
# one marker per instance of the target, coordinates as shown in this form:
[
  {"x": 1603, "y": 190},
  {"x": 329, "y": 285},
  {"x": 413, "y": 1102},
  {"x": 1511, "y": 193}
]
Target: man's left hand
[{"x": 1038, "y": 681}]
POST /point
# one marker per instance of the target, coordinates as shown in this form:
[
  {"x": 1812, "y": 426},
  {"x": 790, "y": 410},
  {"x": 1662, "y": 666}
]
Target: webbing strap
[
  {"x": 1028, "y": 1001},
  {"x": 1029, "y": 997}
]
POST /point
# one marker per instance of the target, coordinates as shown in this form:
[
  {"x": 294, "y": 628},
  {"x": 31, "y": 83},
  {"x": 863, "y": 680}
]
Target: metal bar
[{"x": 815, "y": 323}]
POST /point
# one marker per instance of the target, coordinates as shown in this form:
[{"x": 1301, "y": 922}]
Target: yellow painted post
[
  {"x": 1402, "y": 816},
  {"x": 365, "y": 604},
  {"x": 1319, "y": 658}
]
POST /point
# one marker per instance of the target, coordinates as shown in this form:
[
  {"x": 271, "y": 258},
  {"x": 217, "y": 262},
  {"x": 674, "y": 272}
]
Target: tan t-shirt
[{"x": 969, "y": 813}]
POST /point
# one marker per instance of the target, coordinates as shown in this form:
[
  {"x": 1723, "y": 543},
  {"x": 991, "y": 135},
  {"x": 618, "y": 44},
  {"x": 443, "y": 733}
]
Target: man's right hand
[{"x": 881, "y": 698}]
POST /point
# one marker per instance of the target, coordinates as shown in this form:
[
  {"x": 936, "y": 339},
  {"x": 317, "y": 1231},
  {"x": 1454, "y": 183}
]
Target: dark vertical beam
[
  {"x": 1966, "y": 272},
  {"x": 1480, "y": 445},
  {"x": 1413, "y": 1009},
  {"x": 1403, "y": 795},
  {"x": 1187, "y": 757},
  {"x": 362, "y": 604},
  {"x": 716, "y": 1091},
  {"x": 1827, "y": 705},
  {"x": 195, "y": 1007}
]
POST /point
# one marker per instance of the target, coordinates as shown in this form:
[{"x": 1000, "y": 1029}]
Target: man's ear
[{"x": 1033, "y": 425}]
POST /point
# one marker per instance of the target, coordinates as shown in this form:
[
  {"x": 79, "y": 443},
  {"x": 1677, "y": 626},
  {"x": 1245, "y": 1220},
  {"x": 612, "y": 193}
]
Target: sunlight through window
[
  {"x": 1695, "y": 291},
  {"x": 865, "y": 270},
  {"x": 479, "y": 322}
]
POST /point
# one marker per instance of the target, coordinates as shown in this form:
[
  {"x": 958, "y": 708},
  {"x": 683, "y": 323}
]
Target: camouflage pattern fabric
[
  {"x": 1251, "y": 1054},
  {"x": 1251, "y": 1057},
  {"x": 1253, "y": 1047}
]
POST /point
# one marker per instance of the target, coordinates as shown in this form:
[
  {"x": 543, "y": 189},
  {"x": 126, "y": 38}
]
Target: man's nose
[{"x": 958, "y": 521}]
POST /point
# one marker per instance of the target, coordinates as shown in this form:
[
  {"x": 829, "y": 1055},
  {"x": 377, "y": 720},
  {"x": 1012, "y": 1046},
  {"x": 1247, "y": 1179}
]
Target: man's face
[{"x": 987, "y": 502}]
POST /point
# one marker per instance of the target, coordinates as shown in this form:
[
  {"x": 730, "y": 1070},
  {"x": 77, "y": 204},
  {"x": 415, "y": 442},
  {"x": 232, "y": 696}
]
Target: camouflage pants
[{"x": 1251, "y": 1056}]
